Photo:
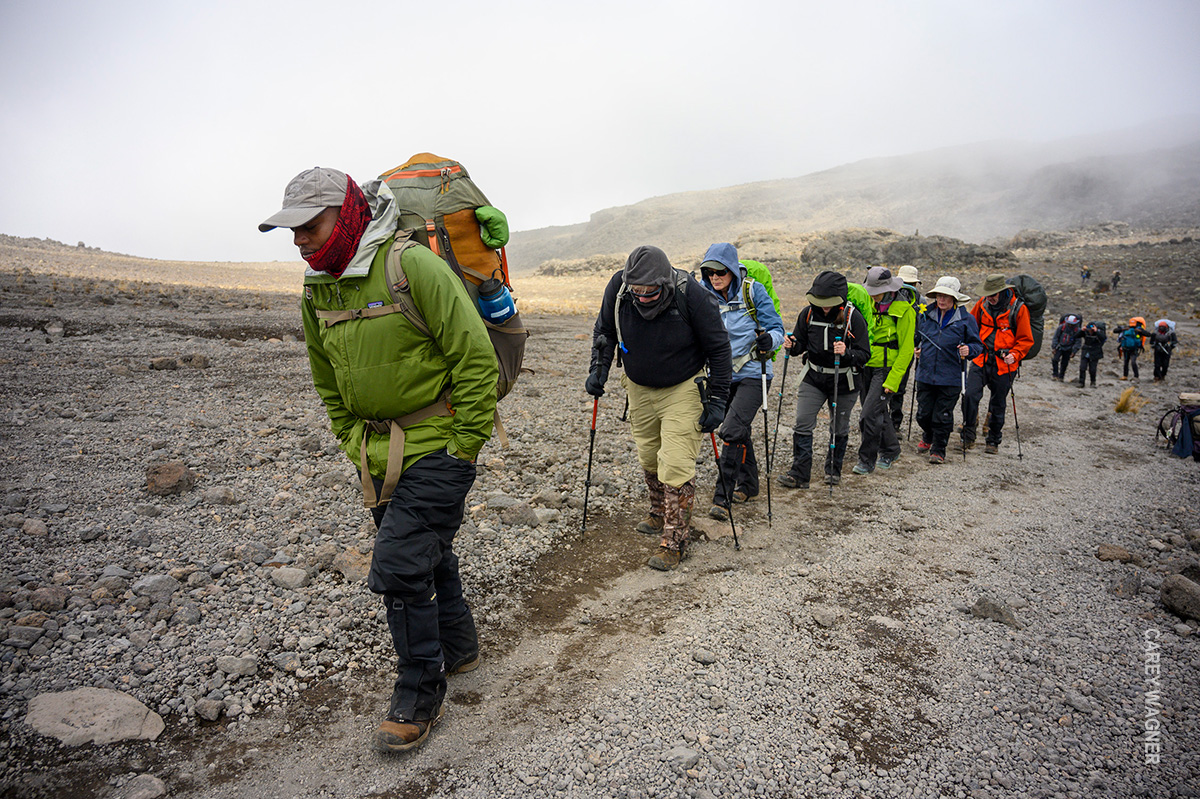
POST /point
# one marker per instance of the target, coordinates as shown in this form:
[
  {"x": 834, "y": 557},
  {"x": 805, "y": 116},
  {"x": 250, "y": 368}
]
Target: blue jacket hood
[{"x": 726, "y": 255}]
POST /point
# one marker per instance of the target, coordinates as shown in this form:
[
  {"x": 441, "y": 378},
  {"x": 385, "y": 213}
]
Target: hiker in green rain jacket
[
  {"x": 891, "y": 354},
  {"x": 410, "y": 410}
]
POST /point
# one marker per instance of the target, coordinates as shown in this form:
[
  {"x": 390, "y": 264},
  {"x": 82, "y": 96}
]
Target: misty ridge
[{"x": 1147, "y": 177}]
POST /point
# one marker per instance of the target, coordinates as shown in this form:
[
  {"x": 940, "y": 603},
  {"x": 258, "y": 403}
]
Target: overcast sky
[{"x": 169, "y": 130}]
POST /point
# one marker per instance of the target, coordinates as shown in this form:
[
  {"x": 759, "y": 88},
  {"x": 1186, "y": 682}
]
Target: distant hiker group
[{"x": 1073, "y": 336}]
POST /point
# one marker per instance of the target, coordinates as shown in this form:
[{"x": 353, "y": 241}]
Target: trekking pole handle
[{"x": 700, "y": 386}]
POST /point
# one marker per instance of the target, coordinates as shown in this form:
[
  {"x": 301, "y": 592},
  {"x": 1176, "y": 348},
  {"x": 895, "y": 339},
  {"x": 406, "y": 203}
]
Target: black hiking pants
[
  {"x": 739, "y": 468},
  {"x": 1087, "y": 364},
  {"x": 810, "y": 399},
  {"x": 1161, "y": 361},
  {"x": 935, "y": 415},
  {"x": 1058, "y": 363},
  {"x": 875, "y": 422},
  {"x": 998, "y": 387},
  {"x": 1131, "y": 357},
  {"x": 896, "y": 401},
  {"x": 416, "y": 570}
]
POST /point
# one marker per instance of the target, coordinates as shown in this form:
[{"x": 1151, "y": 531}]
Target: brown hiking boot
[
  {"x": 399, "y": 735},
  {"x": 991, "y": 449},
  {"x": 651, "y": 525},
  {"x": 665, "y": 560},
  {"x": 742, "y": 496},
  {"x": 462, "y": 666}
]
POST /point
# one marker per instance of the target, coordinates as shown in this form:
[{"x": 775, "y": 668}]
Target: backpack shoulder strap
[
  {"x": 681, "y": 302},
  {"x": 398, "y": 292},
  {"x": 748, "y": 298}
]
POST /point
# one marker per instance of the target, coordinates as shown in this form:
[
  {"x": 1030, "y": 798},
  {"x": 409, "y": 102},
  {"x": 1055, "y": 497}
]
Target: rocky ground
[{"x": 987, "y": 628}]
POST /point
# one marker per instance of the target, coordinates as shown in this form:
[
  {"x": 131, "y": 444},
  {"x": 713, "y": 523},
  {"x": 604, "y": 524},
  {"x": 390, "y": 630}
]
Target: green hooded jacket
[
  {"x": 384, "y": 368},
  {"x": 892, "y": 341}
]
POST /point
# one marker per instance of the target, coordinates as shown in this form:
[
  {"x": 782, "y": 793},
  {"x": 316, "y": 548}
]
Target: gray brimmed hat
[
  {"x": 308, "y": 194},
  {"x": 880, "y": 281},
  {"x": 993, "y": 285},
  {"x": 908, "y": 273},
  {"x": 950, "y": 286}
]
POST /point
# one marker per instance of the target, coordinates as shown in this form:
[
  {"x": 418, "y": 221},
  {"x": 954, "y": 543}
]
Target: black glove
[
  {"x": 713, "y": 415},
  {"x": 764, "y": 343},
  {"x": 596, "y": 380}
]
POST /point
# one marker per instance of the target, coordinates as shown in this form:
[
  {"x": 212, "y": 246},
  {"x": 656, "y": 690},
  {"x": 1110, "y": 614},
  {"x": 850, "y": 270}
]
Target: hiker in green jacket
[
  {"x": 891, "y": 354},
  {"x": 388, "y": 389}
]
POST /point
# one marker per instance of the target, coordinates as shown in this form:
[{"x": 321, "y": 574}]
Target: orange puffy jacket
[{"x": 1002, "y": 332}]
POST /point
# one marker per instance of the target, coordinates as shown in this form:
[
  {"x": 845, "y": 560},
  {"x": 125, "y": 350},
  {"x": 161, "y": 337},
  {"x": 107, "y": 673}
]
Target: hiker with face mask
[
  {"x": 1066, "y": 342},
  {"x": 388, "y": 388},
  {"x": 666, "y": 330},
  {"x": 831, "y": 340},
  {"x": 891, "y": 355},
  {"x": 755, "y": 331},
  {"x": 949, "y": 337},
  {"x": 1092, "y": 351},
  {"x": 1162, "y": 343},
  {"x": 1007, "y": 337}
]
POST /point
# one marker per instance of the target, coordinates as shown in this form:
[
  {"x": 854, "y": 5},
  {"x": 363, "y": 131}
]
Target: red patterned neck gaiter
[{"x": 335, "y": 255}]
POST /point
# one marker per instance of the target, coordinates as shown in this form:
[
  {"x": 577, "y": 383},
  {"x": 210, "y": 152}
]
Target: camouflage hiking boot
[
  {"x": 651, "y": 525},
  {"x": 665, "y": 559},
  {"x": 400, "y": 735},
  {"x": 655, "y": 488},
  {"x": 677, "y": 507}
]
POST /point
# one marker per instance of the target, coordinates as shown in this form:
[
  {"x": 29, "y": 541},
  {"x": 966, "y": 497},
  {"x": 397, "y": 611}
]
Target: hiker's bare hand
[
  {"x": 963, "y": 350},
  {"x": 839, "y": 348},
  {"x": 1009, "y": 358}
]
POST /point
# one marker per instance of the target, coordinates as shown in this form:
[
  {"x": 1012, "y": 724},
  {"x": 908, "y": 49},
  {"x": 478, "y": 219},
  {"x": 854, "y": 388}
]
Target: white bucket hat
[
  {"x": 908, "y": 273},
  {"x": 949, "y": 286}
]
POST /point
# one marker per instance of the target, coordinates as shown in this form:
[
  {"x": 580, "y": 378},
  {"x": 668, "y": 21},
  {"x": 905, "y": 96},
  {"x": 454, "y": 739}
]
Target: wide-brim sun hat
[
  {"x": 880, "y": 280},
  {"x": 994, "y": 284},
  {"x": 950, "y": 286}
]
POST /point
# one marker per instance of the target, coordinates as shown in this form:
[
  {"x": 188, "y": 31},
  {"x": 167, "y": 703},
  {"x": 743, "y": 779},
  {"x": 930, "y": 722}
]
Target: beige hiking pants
[{"x": 665, "y": 423}]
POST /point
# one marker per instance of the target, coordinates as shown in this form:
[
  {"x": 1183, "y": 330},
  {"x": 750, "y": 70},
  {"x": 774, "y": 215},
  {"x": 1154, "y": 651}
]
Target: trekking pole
[
  {"x": 1016, "y": 423},
  {"x": 625, "y": 410},
  {"x": 962, "y": 396},
  {"x": 912, "y": 405},
  {"x": 779, "y": 408},
  {"x": 717, "y": 459},
  {"x": 837, "y": 363},
  {"x": 587, "y": 483},
  {"x": 766, "y": 439}
]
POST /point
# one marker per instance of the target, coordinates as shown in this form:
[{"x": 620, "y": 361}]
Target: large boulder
[
  {"x": 93, "y": 715},
  {"x": 1181, "y": 596}
]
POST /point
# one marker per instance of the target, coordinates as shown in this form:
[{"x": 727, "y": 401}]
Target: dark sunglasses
[{"x": 710, "y": 272}]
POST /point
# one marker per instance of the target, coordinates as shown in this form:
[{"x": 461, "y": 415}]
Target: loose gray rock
[
  {"x": 985, "y": 608},
  {"x": 23, "y": 637},
  {"x": 826, "y": 617},
  {"x": 220, "y": 495},
  {"x": 1126, "y": 586},
  {"x": 704, "y": 657},
  {"x": 353, "y": 565},
  {"x": 520, "y": 513},
  {"x": 1181, "y": 596},
  {"x": 144, "y": 786},
  {"x": 243, "y": 667},
  {"x": 35, "y": 528},
  {"x": 682, "y": 758},
  {"x": 289, "y": 577},
  {"x": 193, "y": 360},
  {"x": 159, "y": 587},
  {"x": 209, "y": 709},
  {"x": 93, "y": 715},
  {"x": 1112, "y": 552},
  {"x": 163, "y": 364}
]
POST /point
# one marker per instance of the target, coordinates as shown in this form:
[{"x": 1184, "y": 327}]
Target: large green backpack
[
  {"x": 858, "y": 296},
  {"x": 760, "y": 273}
]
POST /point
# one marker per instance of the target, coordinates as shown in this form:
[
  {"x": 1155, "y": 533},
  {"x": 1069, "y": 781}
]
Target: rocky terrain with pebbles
[{"x": 180, "y": 528}]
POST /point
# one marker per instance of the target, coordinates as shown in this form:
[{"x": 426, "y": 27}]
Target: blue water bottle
[{"x": 495, "y": 302}]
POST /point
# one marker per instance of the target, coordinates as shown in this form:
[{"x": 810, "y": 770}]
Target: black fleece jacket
[{"x": 666, "y": 350}]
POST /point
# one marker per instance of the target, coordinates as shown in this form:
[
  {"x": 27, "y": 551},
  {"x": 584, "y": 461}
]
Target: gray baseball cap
[{"x": 308, "y": 194}]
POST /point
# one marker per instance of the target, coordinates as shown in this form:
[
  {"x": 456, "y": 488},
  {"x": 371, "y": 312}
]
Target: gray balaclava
[{"x": 649, "y": 266}]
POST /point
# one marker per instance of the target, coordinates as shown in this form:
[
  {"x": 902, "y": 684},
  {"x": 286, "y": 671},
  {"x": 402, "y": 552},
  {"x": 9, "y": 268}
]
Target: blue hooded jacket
[
  {"x": 938, "y": 337},
  {"x": 736, "y": 315}
]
